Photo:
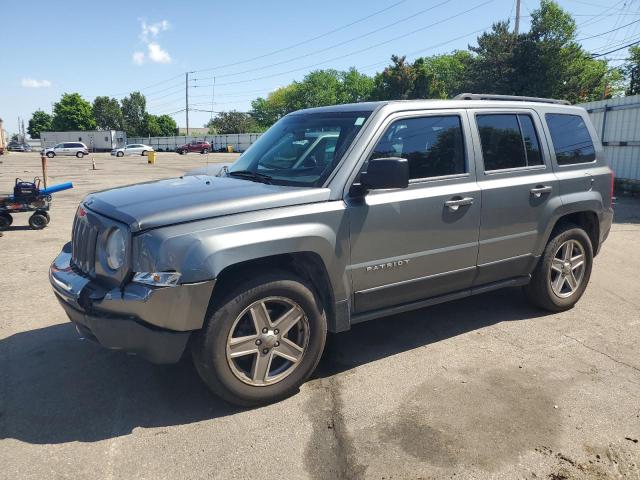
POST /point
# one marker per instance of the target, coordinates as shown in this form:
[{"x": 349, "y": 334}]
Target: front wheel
[
  {"x": 120, "y": 154},
  {"x": 563, "y": 271},
  {"x": 262, "y": 341},
  {"x": 51, "y": 154},
  {"x": 144, "y": 153},
  {"x": 205, "y": 151}
]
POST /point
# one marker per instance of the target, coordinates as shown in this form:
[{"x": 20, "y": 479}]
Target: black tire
[
  {"x": 79, "y": 154},
  {"x": 539, "y": 291},
  {"x": 51, "y": 154},
  {"x": 5, "y": 220},
  {"x": 45, "y": 215},
  {"x": 120, "y": 154},
  {"x": 37, "y": 221},
  {"x": 205, "y": 151},
  {"x": 144, "y": 153},
  {"x": 209, "y": 346}
]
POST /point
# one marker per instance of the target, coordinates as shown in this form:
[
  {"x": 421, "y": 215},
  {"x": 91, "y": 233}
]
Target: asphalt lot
[{"x": 486, "y": 387}]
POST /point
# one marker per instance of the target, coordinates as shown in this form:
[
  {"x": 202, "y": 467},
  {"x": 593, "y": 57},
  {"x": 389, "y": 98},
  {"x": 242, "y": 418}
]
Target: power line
[
  {"x": 604, "y": 33},
  {"x": 615, "y": 50},
  {"x": 357, "y": 51},
  {"x": 335, "y": 45},
  {"x": 322, "y": 35}
]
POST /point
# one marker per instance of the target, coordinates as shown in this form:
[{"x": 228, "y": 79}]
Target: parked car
[
  {"x": 405, "y": 204},
  {"x": 78, "y": 149},
  {"x": 199, "y": 146},
  {"x": 19, "y": 147},
  {"x": 132, "y": 149}
]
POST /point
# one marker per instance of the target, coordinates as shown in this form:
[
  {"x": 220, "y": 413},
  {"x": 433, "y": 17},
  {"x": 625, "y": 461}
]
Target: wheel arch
[
  {"x": 585, "y": 219},
  {"x": 306, "y": 264}
]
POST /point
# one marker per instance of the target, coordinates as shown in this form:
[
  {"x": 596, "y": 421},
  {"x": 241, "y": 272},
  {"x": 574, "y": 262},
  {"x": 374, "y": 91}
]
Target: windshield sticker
[{"x": 359, "y": 121}]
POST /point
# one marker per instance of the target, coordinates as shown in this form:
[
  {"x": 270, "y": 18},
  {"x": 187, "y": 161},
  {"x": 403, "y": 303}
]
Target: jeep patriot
[{"x": 335, "y": 216}]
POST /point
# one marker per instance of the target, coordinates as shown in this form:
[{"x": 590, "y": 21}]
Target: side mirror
[{"x": 386, "y": 173}]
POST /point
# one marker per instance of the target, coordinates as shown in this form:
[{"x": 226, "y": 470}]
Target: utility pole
[
  {"x": 186, "y": 98},
  {"x": 517, "y": 29},
  {"x": 213, "y": 96}
]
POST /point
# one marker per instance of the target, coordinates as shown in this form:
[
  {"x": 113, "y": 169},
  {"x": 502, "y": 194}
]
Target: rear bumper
[
  {"x": 605, "y": 219},
  {"x": 153, "y": 322}
]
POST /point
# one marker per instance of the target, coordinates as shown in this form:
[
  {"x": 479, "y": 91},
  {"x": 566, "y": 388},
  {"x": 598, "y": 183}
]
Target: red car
[{"x": 195, "y": 146}]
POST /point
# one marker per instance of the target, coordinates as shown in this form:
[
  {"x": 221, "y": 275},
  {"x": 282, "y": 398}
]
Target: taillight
[{"x": 613, "y": 178}]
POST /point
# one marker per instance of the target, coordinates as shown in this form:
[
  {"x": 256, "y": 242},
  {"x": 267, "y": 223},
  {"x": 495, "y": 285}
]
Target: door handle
[
  {"x": 456, "y": 203},
  {"x": 539, "y": 190}
]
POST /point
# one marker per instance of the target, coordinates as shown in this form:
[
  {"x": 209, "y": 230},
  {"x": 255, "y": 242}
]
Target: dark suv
[
  {"x": 199, "y": 146},
  {"x": 335, "y": 216}
]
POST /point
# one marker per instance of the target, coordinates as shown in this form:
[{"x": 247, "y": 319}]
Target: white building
[{"x": 95, "y": 140}]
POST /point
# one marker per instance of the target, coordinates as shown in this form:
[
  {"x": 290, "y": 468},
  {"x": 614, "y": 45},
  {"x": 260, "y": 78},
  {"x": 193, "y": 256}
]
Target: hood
[{"x": 194, "y": 197}]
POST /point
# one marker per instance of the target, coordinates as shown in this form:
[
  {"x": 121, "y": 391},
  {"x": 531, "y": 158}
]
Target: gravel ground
[{"x": 485, "y": 387}]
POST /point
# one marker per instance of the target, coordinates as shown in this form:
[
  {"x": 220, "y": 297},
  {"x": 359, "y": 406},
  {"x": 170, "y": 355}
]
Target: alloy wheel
[
  {"x": 267, "y": 341},
  {"x": 567, "y": 268}
]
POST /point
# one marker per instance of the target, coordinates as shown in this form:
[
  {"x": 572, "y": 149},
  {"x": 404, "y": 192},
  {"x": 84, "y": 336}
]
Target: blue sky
[{"x": 112, "y": 48}]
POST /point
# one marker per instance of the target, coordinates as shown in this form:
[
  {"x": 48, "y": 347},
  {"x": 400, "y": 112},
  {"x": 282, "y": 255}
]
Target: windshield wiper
[{"x": 250, "y": 175}]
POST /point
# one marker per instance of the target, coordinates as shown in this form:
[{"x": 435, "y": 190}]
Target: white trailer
[{"x": 95, "y": 140}]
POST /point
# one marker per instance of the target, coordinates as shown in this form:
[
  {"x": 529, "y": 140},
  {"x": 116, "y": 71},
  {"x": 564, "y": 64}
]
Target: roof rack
[{"x": 514, "y": 98}]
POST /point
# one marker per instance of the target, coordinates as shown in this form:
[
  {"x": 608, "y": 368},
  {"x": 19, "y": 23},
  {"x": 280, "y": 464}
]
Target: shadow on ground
[{"x": 56, "y": 388}]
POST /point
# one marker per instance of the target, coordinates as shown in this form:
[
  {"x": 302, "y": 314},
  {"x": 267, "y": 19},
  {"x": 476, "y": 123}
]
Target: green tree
[
  {"x": 107, "y": 113},
  {"x": 267, "y": 111},
  {"x": 354, "y": 86},
  {"x": 72, "y": 112},
  {"x": 631, "y": 70},
  {"x": 40, "y": 122},
  {"x": 232, "y": 122},
  {"x": 316, "y": 89},
  {"x": 395, "y": 82},
  {"x": 168, "y": 126},
  {"x": 134, "y": 112}
]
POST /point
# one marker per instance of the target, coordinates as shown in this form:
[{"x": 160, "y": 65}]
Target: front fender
[{"x": 201, "y": 250}]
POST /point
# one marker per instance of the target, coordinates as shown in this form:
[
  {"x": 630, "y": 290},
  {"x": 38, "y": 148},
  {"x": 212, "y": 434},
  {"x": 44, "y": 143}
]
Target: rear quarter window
[{"x": 571, "y": 140}]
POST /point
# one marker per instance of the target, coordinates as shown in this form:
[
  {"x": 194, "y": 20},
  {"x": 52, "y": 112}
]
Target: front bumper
[{"x": 153, "y": 322}]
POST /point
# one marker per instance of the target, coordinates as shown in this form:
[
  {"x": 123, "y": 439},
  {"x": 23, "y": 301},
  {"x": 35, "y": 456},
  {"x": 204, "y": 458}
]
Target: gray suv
[{"x": 335, "y": 216}]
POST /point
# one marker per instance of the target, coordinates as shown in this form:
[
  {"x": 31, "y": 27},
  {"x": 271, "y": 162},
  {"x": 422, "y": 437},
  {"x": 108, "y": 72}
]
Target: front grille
[{"x": 83, "y": 243}]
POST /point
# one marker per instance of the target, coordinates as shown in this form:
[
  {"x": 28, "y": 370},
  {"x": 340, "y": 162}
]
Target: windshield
[{"x": 301, "y": 149}]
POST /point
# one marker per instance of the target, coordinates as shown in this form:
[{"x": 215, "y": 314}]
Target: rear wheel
[
  {"x": 205, "y": 151},
  {"x": 120, "y": 154},
  {"x": 51, "y": 154},
  {"x": 79, "y": 154},
  {"x": 37, "y": 221},
  {"x": 5, "y": 220},
  {"x": 563, "y": 272},
  {"x": 262, "y": 341},
  {"x": 144, "y": 153}
]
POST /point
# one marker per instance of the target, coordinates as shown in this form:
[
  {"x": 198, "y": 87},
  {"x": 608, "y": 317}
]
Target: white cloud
[
  {"x": 138, "y": 58},
  {"x": 148, "y": 35},
  {"x": 33, "y": 83},
  {"x": 151, "y": 30},
  {"x": 157, "y": 54}
]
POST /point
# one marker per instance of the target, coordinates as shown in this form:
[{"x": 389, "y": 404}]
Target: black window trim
[
  {"x": 515, "y": 112},
  {"x": 553, "y": 148},
  {"x": 406, "y": 115}
]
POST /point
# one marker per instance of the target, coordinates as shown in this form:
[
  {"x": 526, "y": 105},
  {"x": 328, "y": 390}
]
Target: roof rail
[{"x": 514, "y": 98}]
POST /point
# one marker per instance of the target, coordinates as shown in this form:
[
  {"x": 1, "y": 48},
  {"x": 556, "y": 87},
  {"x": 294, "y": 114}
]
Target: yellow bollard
[
  {"x": 230, "y": 148},
  {"x": 151, "y": 158}
]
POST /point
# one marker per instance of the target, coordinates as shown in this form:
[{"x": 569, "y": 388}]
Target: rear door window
[
  {"x": 508, "y": 141},
  {"x": 433, "y": 145},
  {"x": 571, "y": 139}
]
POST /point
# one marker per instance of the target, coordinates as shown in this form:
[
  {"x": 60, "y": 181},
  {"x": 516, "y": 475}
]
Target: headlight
[{"x": 115, "y": 249}]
